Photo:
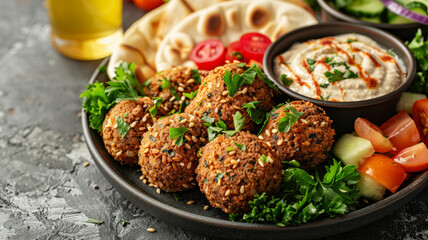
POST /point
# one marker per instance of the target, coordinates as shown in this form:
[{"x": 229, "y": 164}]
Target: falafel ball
[
  {"x": 232, "y": 169},
  {"x": 308, "y": 141},
  {"x": 136, "y": 115},
  {"x": 213, "y": 98},
  {"x": 170, "y": 85},
  {"x": 167, "y": 163}
]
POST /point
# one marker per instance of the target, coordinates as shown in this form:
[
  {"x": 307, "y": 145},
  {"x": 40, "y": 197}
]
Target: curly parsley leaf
[
  {"x": 126, "y": 73},
  {"x": 191, "y": 95},
  {"x": 177, "y": 133},
  {"x": 286, "y": 81},
  {"x": 304, "y": 197},
  {"x": 157, "y": 102},
  {"x": 238, "y": 122},
  {"x": 286, "y": 122},
  {"x": 122, "y": 127},
  {"x": 256, "y": 112}
]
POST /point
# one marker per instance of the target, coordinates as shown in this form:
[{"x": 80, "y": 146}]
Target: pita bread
[
  {"x": 143, "y": 38},
  {"x": 227, "y": 21}
]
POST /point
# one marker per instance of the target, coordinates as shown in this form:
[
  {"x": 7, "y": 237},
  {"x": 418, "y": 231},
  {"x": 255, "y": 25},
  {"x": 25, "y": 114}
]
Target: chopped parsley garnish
[
  {"x": 94, "y": 221},
  {"x": 240, "y": 146},
  {"x": 286, "y": 81},
  {"x": 196, "y": 76},
  {"x": 177, "y": 133},
  {"x": 191, "y": 95},
  {"x": 324, "y": 98},
  {"x": 324, "y": 85},
  {"x": 419, "y": 47},
  {"x": 352, "y": 40},
  {"x": 286, "y": 122},
  {"x": 256, "y": 112},
  {"x": 229, "y": 149},
  {"x": 237, "y": 54},
  {"x": 311, "y": 62},
  {"x": 263, "y": 158},
  {"x": 238, "y": 122},
  {"x": 176, "y": 196},
  {"x": 123, "y": 223},
  {"x": 218, "y": 177},
  {"x": 304, "y": 197},
  {"x": 241, "y": 65},
  {"x": 208, "y": 120},
  {"x": 174, "y": 93},
  {"x": 157, "y": 103},
  {"x": 339, "y": 75},
  {"x": 122, "y": 127},
  {"x": 165, "y": 83},
  {"x": 328, "y": 59},
  {"x": 233, "y": 83},
  {"x": 336, "y": 64}
]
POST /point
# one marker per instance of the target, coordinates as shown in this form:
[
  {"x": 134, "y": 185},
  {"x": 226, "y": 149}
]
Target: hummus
[{"x": 349, "y": 67}]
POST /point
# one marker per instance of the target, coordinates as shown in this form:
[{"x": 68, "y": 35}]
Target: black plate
[{"x": 214, "y": 222}]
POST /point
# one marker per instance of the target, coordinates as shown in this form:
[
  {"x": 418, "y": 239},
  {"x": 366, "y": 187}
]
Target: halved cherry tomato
[
  {"x": 414, "y": 158},
  {"x": 385, "y": 171},
  {"x": 371, "y": 132},
  {"x": 208, "y": 54},
  {"x": 254, "y": 45},
  {"x": 148, "y": 5},
  {"x": 234, "y": 52},
  {"x": 420, "y": 115},
  {"x": 401, "y": 131}
]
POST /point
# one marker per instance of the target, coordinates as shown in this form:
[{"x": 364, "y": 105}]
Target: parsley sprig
[
  {"x": 339, "y": 75},
  {"x": 304, "y": 197},
  {"x": 286, "y": 122},
  {"x": 157, "y": 102},
  {"x": 220, "y": 126},
  {"x": 419, "y": 48},
  {"x": 256, "y": 111},
  {"x": 122, "y": 126},
  {"x": 177, "y": 133}
]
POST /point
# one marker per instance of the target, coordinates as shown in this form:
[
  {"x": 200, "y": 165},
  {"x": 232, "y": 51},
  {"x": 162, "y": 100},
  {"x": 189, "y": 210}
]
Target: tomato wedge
[
  {"x": 148, "y": 5},
  {"x": 254, "y": 45},
  {"x": 420, "y": 113},
  {"x": 371, "y": 132},
  {"x": 234, "y": 52},
  {"x": 401, "y": 130},
  {"x": 208, "y": 54},
  {"x": 385, "y": 171},
  {"x": 414, "y": 158}
]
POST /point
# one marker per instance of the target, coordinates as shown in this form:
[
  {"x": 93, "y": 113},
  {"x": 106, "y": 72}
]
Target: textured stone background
[{"x": 45, "y": 192}]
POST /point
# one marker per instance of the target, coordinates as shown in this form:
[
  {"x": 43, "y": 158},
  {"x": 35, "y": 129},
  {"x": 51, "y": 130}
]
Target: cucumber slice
[
  {"x": 365, "y": 8},
  {"x": 405, "y": 2},
  {"x": 370, "y": 189},
  {"x": 373, "y": 19},
  {"x": 353, "y": 150},
  {"x": 407, "y": 100}
]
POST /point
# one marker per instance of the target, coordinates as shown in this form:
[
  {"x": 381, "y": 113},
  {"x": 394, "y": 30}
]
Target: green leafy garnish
[
  {"x": 122, "y": 127},
  {"x": 174, "y": 93},
  {"x": 328, "y": 59},
  {"x": 286, "y": 122},
  {"x": 339, "y": 75},
  {"x": 103, "y": 69},
  {"x": 324, "y": 98},
  {"x": 324, "y": 85},
  {"x": 238, "y": 122},
  {"x": 304, "y": 197},
  {"x": 191, "y": 95},
  {"x": 157, "y": 102},
  {"x": 177, "y": 133},
  {"x": 240, "y": 146},
  {"x": 352, "y": 40},
  {"x": 218, "y": 177},
  {"x": 229, "y": 149},
  {"x": 126, "y": 73},
  {"x": 256, "y": 112},
  {"x": 419, "y": 48},
  {"x": 123, "y": 223},
  {"x": 286, "y": 81},
  {"x": 241, "y": 65},
  {"x": 165, "y": 83},
  {"x": 233, "y": 83},
  {"x": 196, "y": 76},
  {"x": 263, "y": 158},
  {"x": 176, "y": 196},
  {"x": 94, "y": 221}
]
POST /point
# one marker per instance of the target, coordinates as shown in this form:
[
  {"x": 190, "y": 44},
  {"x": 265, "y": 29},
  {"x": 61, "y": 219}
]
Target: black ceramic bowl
[
  {"x": 405, "y": 32},
  {"x": 214, "y": 222},
  {"x": 378, "y": 109}
]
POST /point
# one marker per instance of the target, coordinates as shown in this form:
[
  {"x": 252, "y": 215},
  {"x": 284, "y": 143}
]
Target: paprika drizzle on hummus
[{"x": 349, "y": 67}]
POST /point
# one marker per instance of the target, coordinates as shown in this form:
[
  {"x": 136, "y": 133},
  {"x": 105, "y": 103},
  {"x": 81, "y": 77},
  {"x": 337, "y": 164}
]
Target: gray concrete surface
[{"x": 45, "y": 192}]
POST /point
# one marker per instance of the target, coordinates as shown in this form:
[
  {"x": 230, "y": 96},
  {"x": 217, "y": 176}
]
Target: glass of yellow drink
[{"x": 85, "y": 29}]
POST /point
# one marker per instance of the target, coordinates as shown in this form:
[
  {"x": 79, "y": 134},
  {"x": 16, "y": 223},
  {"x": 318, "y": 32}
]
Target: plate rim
[{"x": 392, "y": 202}]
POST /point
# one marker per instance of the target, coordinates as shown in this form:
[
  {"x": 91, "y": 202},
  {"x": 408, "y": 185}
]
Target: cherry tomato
[
  {"x": 208, "y": 54},
  {"x": 385, "y": 171},
  {"x": 234, "y": 52},
  {"x": 371, "y": 132},
  {"x": 254, "y": 45},
  {"x": 148, "y": 5},
  {"x": 401, "y": 130},
  {"x": 414, "y": 158},
  {"x": 420, "y": 113}
]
